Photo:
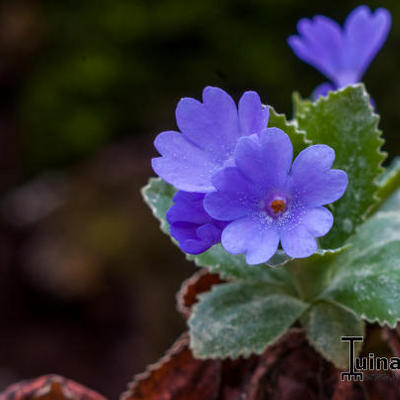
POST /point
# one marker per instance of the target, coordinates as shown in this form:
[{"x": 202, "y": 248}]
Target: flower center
[{"x": 276, "y": 206}]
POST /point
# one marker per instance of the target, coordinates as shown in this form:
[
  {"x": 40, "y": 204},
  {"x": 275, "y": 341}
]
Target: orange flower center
[{"x": 278, "y": 206}]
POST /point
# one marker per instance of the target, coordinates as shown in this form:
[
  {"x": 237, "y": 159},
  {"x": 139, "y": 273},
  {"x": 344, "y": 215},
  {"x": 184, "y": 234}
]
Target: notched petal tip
[
  {"x": 294, "y": 42},
  {"x": 216, "y": 100},
  {"x": 291, "y": 39},
  {"x": 303, "y": 25},
  {"x": 384, "y": 14},
  {"x": 162, "y": 140},
  {"x": 385, "y": 20},
  {"x": 253, "y": 117},
  {"x": 275, "y": 135},
  {"x": 252, "y": 95},
  {"x": 342, "y": 54},
  {"x": 213, "y": 91}
]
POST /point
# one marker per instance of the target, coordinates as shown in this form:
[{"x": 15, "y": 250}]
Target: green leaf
[
  {"x": 241, "y": 318},
  {"x": 325, "y": 324},
  {"x": 296, "y": 136},
  {"x": 393, "y": 203},
  {"x": 366, "y": 277},
  {"x": 300, "y": 105},
  {"x": 389, "y": 181},
  {"x": 158, "y": 195},
  {"x": 345, "y": 121},
  {"x": 310, "y": 275}
]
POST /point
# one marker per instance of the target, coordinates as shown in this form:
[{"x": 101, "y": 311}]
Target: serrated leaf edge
[
  {"x": 314, "y": 345},
  {"x": 153, "y": 209},
  {"x": 361, "y": 316},
  {"x": 137, "y": 379},
  {"x": 244, "y": 353},
  {"x": 293, "y": 123},
  {"x": 383, "y": 154}
]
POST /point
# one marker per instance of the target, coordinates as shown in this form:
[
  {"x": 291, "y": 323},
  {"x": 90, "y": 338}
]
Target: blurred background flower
[{"x": 88, "y": 281}]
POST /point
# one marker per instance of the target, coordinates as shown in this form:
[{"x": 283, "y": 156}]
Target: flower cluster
[
  {"x": 237, "y": 184},
  {"x": 341, "y": 54}
]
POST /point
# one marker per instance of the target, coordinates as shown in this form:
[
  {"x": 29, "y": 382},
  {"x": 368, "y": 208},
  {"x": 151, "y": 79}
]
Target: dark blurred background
[{"x": 88, "y": 281}]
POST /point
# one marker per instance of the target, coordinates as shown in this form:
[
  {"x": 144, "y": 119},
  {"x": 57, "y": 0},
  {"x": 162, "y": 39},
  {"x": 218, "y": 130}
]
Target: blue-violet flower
[
  {"x": 210, "y": 131},
  {"x": 342, "y": 55},
  {"x": 269, "y": 200},
  {"x": 190, "y": 224}
]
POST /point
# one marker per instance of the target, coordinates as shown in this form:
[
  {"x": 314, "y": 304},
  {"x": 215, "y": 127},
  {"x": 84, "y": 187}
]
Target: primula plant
[
  {"x": 298, "y": 217},
  {"x": 295, "y": 226}
]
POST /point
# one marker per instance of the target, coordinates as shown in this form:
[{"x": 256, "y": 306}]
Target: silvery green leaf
[
  {"x": 158, "y": 195},
  {"x": 366, "y": 277},
  {"x": 297, "y": 137},
  {"x": 325, "y": 324},
  {"x": 241, "y": 318},
  {"x": 345, "y": 121},
  {"x": 389, "y": 181}
]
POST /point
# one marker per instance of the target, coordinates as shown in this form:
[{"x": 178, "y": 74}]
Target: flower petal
[
  {"x": 342, "y": 55},
  {"x": 365, "y": 34},
  {"x": 212, "y": 125},
  {"x": 253, "y": 116},
  {"x": 319, "y": 44},
  {"x": 186, "y": 234},
  {"x": 190, "y": 224},
  {"x": 266, "y": 163},
  {"x": 183, "y": 164},
  {"x": 318, "y": 157},
  {"x": 225, "y": 207},
  {"x": 210, "y": 131},
  {"x": 318, "y": 221},
  {"x": 312, "y": 181},
  {"x": 188, "y": 207},
  {"x": 234, "y": 198},
  {"x": 209, "y": 233},
  {"x": 258, "y": 240},
  {"x": 298, "y": 242},
  {"x": 318, "y": 189},
  {"x": 231, "y": 180}
]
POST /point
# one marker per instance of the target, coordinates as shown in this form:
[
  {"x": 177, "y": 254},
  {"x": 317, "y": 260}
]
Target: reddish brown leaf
[
  {"x": 200, "y": 282},
  {"x": 281, "y": 372},
  {"x": 177, "y": 376},
  {"x": 348, "y": 391},
  {"x": 289, "y": 370},
  {"x": 49, "y": 387},
  {"x": 392, "y": 339},
  {"x": 292, "y": 370},
  {"x": 382, "y": 385}
]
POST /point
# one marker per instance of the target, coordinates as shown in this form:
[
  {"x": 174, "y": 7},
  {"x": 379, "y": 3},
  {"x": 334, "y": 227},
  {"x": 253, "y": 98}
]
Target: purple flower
[
  {"x": 236, "y": 183},
  {"x": 268, "y": 200},
  {"x": 209, "y": 133},
  {"x": 191, "y": 226},
  {"x": 342, "y": 55}
]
